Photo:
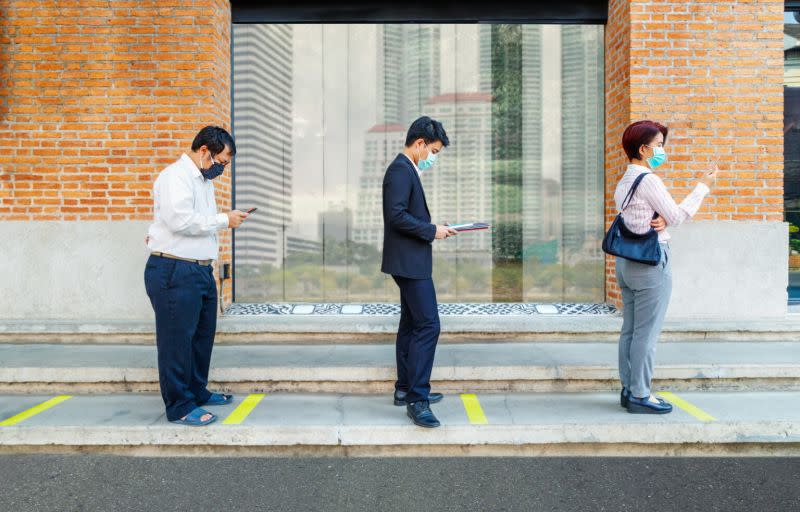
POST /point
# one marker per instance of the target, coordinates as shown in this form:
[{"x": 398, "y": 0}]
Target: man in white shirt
[{"x": 179, "y": 275}]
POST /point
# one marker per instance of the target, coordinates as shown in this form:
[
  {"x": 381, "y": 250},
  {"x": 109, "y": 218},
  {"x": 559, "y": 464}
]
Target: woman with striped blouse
[{"x": 646, "y": 289}]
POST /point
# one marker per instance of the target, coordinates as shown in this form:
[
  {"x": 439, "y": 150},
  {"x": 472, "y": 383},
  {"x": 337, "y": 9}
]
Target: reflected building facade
[
  {"x": 262, "y": 58},
  {"x": 459, "y": 187},
  {"x": 582, "y": 148},
  {"x": 382, "y": 144},
  {"x": 523, "y": 109},
  {"x": 408, "y": 71}
]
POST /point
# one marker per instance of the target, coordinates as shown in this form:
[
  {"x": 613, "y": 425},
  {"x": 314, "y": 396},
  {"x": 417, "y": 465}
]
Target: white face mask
[
  {"x": 428, "y": 162},
  {"x": 658, "y": 158}
]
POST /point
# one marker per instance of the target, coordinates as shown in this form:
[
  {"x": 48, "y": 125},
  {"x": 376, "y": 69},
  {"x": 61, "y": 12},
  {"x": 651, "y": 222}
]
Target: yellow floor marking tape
[
  {"x": 33, "y": 411},
  {"x": 243, "y": 411},
  {"x": 474, "y": 410},
  {"x": 695, "y": 411}
]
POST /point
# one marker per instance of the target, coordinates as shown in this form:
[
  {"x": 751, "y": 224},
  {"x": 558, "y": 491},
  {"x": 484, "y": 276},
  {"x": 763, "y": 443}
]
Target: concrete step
[
  {"x": 376, "y": 329},
  {"x": 702, "y": 423},
  {"x": 494, "y": 367}
]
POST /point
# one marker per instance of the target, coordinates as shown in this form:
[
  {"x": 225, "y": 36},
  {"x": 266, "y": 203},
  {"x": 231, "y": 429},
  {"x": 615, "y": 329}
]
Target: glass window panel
[
  {"x": 367, "y": 160},
  {"x": 321, "y": 110},
  {"x": 334, "y": 222},
  {"x": 263, "y": 59}
]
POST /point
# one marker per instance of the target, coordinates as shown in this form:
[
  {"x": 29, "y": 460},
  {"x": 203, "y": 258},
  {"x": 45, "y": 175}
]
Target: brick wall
[
  {"x": 96, "y": 97},
  {"x": 713, "y": 72}
]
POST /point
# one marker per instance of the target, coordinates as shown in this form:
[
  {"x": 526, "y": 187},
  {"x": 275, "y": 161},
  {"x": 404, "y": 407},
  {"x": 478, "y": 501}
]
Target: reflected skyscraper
[
  {"x": 582, "y": 149},
  {"x": 262, "y": 89},
  {"x": 408, "y": 75},
  {"x": 532, "y": 191},
  {"x": 408, "y": 70},
  {"x": 530, "y": 37},
  {"x": 381, "y": 145},
  {"x": 459, "y": 188}
]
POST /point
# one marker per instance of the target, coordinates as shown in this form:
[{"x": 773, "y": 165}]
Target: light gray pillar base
[
  {"x": 729, "y": 270},
  {"x": 74, "y": 270}
]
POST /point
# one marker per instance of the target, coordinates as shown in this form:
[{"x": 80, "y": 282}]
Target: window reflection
[
  {"x": 791, "y": 147},
  {"x": 321, "y": 110}
]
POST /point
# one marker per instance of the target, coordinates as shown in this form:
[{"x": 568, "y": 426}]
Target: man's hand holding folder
[{"x": 470, "y": 226}]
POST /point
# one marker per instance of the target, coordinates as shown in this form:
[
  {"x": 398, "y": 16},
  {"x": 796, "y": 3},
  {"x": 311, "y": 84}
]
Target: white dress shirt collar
[
  {"x": 189, "y": 163},
  {"x": 412, "y": 163},
  {"x": 639, "y": 168}
]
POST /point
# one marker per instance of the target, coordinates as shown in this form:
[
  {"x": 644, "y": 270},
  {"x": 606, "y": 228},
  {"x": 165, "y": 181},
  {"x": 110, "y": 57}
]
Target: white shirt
[
  {"x": 412, "y": 163},
  {"x": 652, "y": 196},
  {"x": 186, "y": 218}
]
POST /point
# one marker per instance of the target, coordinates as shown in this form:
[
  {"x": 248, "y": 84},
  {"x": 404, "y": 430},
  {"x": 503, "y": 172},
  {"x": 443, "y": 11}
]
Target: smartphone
[{"x": 251, "y": 210}]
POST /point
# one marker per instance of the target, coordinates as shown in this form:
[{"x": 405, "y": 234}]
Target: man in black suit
[{"x": 407, "y": 237}]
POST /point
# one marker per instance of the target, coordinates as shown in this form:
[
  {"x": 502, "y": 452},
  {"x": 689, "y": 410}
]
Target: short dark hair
[
  {"x": 215, "y": 139},
  {"x": 427, "y": 129},
  {"x": 641, "y": 133}
]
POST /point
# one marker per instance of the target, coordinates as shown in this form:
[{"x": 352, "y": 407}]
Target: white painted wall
[
  {"x": 74, "y": 270},
  {"x": 729, "y": 270}
]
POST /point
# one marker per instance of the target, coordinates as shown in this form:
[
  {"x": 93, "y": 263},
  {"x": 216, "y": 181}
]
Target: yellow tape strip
[
  {"x": 692, "y": 409},
  {"x": 243, "y": 411},
  {"x": 474, "y": 410},
  {"x": 33, "y": 411}
]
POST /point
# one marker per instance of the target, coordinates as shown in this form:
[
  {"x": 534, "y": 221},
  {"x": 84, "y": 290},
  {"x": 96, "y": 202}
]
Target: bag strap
[{"x": 629, "y": 196}]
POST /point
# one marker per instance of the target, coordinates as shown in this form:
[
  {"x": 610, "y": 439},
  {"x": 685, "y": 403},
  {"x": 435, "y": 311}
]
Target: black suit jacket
[{"x": 407, "y": 228}]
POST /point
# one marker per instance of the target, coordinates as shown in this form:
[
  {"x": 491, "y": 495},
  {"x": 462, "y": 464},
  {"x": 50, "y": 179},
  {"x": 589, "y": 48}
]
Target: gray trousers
[{"x": 646, "y": 290}]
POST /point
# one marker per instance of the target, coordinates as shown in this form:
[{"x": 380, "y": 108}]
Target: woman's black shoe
[{"x": 645, "y": 406}]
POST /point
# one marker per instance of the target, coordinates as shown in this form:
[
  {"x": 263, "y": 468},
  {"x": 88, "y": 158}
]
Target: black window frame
[{"x": 414, "y": 11}]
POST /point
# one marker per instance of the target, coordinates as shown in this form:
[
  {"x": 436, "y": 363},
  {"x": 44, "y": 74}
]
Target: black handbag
[{"x": 622, "y": 242}]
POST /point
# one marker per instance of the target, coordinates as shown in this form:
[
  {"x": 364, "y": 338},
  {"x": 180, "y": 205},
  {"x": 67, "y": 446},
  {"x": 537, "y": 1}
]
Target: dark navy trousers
[
  {"x": 184, "y": 299},
  {"x": 417, "y": 337}
]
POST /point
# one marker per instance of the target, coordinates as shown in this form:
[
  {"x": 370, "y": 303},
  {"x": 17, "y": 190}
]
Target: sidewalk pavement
[{"x": 703, "y": 420}]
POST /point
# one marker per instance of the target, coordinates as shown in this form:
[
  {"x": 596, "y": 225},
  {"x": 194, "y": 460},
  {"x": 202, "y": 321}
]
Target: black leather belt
[{"x": 170, "y": 256}]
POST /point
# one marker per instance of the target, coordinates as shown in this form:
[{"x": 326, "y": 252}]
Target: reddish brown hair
[{"x": 641, "y": 133}]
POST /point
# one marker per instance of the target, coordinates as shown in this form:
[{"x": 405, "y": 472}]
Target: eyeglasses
[{"x": 224, "y": 164}]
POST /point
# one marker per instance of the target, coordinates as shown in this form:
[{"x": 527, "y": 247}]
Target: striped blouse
[{"x": 652, "y": 196}]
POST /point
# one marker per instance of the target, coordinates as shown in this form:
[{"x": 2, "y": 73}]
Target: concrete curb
[
  {"x": 388, "y": 373},
  {"x": 403, "y": 435}
]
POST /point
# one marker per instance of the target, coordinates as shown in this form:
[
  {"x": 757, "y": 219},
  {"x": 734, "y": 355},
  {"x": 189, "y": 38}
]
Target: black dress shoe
[
  {"x": 421, "y": 414},
  {"x": 626, "y": 393},
  {"x": 645, "y": 406},
  {"x": 400, "y": 397}
]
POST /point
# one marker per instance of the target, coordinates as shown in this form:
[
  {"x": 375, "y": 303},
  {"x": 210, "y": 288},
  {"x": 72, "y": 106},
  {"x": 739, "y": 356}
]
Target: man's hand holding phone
[{"x": 235, "y": 218}]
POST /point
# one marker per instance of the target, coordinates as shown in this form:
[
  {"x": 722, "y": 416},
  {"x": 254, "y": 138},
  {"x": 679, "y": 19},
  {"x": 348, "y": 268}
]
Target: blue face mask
[
  {"x": 424, "y": 165},
  {"x": 658, "y": 158}
]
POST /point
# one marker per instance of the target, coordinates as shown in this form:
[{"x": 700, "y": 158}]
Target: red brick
[{"x": 734, "y": 101}]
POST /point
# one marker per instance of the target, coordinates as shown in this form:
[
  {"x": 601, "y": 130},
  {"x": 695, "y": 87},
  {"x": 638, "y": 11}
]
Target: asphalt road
[{"x": 112, "y": 483}]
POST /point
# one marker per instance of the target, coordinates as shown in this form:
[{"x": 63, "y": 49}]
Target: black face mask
[{"x": 213, "y": 171}]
